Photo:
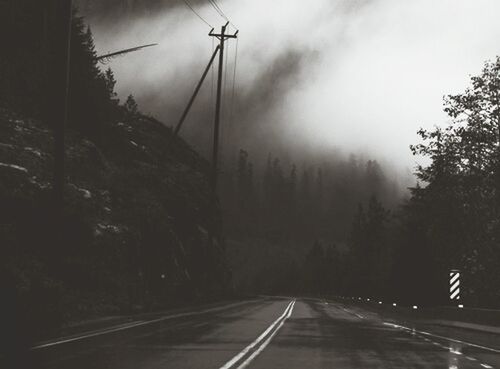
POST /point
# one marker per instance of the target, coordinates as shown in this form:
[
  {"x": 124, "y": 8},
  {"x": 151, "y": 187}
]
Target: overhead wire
[
  {"x": 212, "y": 71},
  {"x": 219, "y": 10},
  {"x": 224, "y": 120},
  {"x": 234, "y": 82},
  {"x": 196, "y": 13}
]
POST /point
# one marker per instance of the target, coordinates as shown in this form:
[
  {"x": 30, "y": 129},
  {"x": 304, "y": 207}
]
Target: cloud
[{"x": 313, "y": 76}]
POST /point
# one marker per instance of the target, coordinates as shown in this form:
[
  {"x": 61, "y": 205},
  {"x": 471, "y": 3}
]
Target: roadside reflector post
[{"x": 454, "y": 286}]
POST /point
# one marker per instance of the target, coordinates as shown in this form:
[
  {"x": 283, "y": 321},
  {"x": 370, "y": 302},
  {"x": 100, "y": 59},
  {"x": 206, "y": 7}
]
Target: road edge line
[{"x": 121, "y": 327}]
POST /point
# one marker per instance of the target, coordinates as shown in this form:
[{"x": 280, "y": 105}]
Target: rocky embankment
[{"x": 136, "y": 226}]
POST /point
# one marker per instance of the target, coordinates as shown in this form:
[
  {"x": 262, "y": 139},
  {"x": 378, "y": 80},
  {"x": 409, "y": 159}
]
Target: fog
[{"x": 313, "y": 77}]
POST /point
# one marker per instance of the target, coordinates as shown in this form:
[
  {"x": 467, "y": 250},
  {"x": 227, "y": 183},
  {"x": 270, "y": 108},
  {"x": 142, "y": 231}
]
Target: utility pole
[
  {"x": 215, "y": 152},
  {"x": 222, "y": 37}
]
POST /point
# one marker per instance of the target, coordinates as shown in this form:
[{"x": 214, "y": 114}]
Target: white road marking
[
  {"x": 353, "y": 313},
  {"x": 122, "y": 327},
  {"x": 453, "y": 351},
  {"x": 445, "y": 338},
  {"x": 97, "y": 333},
  {"x": 266, "y": 342},
  {"x": 279, "y": 322}
]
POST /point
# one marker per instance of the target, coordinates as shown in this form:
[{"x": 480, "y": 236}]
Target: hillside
[{"x": 136, "y": 223}]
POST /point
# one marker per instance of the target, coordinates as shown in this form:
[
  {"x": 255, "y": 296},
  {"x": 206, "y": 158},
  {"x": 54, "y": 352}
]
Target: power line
[
  {"x": 224, "y": 120},
  {"x": 213, "y": 80},
  {"x": 234, "y": 82},
  {"x": 196, "y": 13},
  {"x": 219, "y": 10}
]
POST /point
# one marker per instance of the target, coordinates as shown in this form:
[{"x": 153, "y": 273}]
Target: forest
[
  {"x": 344, "y": 228},
  {"x": 140, "y": 232}
]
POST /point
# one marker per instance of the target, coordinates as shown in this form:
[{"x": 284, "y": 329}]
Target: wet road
[{"x": 269, "y": 333}]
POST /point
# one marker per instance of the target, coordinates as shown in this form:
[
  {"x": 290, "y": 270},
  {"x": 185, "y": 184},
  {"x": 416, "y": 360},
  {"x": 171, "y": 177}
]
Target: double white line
[{"x": 257, "y": 346}]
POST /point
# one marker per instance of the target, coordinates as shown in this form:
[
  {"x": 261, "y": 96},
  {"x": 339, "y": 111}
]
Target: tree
[
  {"x": 462, "y": 196},
  {"x": 110, "y": 82},
  {"x": 91, "y": 91},
  {"x": 130, "y": 105}
]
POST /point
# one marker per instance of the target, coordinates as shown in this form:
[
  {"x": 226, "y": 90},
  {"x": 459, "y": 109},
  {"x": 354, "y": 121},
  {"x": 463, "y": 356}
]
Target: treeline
[
  {"x": 397, "y": 250},
  {"x": 451, "y": 220},
  {"x": 274, "y": 211},
  {"x": 30, "y": 68},
  {"x": 285, "y": 202}
]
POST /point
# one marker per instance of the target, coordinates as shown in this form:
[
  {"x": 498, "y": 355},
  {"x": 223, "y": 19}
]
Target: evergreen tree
[{"x": 130, "y": 105}]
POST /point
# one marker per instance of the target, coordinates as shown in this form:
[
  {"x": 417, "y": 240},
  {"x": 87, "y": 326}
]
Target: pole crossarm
[
  {"x": 223, "y": 35},
  {"x": 197, "y": 89}
]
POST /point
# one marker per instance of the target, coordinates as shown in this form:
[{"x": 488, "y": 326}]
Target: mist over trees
[
  {"x": 300, "y": 202},
  {"x": 312, "y": 227},
  {"x": 343, "y": 228},
  {"x": 303, "y": 214}
]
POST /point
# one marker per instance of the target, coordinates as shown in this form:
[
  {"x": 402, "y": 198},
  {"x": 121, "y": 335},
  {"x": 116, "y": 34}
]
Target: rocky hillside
[{"x": 135, "y": 233}]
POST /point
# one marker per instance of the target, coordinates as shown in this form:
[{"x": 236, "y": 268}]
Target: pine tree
[
  {"x": 131, "y": 105},
  {"x": 110, "y": 82}
]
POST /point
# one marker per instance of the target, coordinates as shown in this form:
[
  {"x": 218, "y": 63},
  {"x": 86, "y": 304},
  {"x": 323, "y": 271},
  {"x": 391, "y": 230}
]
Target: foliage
[
  {"x": 293, "y": 207},
  {"x": 138, "y": 229},
  {"x": 130, "y": 105},
  {"x": 461, "y": 201}
]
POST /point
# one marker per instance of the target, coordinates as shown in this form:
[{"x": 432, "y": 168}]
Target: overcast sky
[{"x": 359, "y": 76}]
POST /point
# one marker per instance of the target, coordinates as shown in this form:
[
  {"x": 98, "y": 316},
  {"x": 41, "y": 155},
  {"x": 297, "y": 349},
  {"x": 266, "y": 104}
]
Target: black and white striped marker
[{"x": 454, "y": 285}]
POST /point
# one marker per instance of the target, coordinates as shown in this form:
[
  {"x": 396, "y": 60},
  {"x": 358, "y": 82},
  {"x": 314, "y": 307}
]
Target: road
[{"x": 269, "y": 333}]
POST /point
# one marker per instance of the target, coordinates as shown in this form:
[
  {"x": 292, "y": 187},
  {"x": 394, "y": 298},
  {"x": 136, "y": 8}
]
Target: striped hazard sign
[{"x": 454, "y": 285}]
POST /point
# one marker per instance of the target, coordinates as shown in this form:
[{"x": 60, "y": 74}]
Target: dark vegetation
[
  {"x": 291, "y": 225},
  {"x": 138, "y": 232},
  {"x": 288, "y": 226},
  {"x": 137, "y": 217}
]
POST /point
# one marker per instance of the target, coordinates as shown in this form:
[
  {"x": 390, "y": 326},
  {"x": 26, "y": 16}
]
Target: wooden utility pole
[{"x": 215, "y": 152}]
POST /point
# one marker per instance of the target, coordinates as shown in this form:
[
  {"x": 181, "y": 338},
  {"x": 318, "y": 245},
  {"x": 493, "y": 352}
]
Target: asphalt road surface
[{"x": 269, "y": 333}]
